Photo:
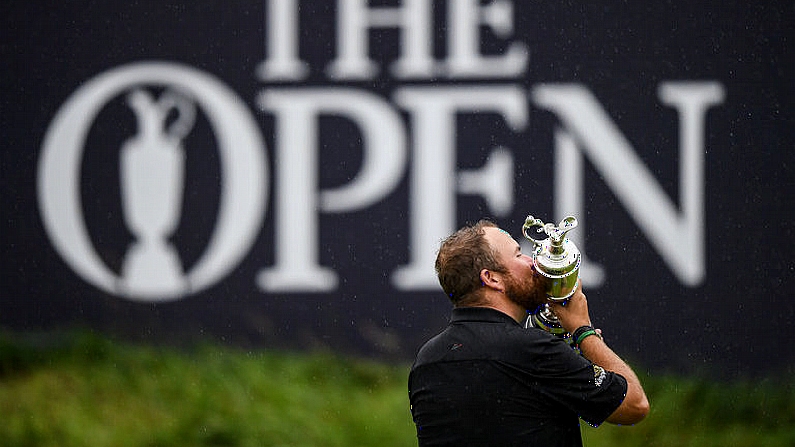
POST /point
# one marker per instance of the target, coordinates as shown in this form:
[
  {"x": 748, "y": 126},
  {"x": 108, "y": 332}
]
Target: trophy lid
[{"x": 554, "y": 255}]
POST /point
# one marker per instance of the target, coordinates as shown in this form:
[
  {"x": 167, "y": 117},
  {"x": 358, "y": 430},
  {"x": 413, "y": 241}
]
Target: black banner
[{"x": 280, "y": 173}]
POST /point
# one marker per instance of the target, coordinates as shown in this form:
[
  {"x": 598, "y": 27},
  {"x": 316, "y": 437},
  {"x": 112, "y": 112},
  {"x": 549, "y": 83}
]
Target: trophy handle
[
  {"x": 185, "y": 110},
  {"x": 529, "y": 223}
]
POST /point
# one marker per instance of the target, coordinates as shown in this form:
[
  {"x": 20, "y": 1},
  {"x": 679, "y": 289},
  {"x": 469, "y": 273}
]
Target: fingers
[
  {"x": 573, "y": 312},
  {"x": 578, "y": 289},
  {"x": 575, "y": 298}
]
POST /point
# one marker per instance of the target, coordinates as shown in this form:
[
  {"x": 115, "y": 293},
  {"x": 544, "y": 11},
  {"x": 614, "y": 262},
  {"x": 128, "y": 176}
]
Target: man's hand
[{"x": 573, "y": 312}]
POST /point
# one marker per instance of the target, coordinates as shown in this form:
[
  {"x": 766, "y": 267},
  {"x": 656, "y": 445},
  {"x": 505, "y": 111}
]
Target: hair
[{"x": 460, "y": 259}]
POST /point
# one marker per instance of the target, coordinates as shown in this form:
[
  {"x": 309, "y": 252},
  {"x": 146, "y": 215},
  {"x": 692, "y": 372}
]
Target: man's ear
[{"x": 491, "y": 279}]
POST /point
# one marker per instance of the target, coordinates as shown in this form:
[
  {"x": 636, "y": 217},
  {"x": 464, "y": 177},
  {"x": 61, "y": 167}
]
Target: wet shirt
[{"x": 487, "y": 381}]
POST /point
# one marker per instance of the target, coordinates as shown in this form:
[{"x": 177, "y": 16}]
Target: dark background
[{"x": 738, "y": 322}]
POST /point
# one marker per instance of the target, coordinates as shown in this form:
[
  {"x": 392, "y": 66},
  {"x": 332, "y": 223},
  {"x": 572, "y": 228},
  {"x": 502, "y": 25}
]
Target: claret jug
[{"x": 557, "y": 259}]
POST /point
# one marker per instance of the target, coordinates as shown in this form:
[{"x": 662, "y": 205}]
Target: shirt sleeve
[
  {"x": 596, "y": 396},
  {"x": 571, "y": 380}
]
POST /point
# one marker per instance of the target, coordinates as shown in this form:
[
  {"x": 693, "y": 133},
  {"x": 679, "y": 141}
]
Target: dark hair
[{"x": 461, "y": 257}]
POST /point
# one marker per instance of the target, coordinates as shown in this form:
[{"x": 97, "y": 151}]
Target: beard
[{"x": 527, "y": 292}]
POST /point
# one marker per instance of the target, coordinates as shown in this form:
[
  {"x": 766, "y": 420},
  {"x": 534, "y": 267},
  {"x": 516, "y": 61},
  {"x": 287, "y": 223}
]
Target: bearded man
[{"x": 486, "y": 380}]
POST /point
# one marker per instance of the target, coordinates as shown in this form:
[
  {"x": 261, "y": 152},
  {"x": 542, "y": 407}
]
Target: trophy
[
  {"x": 557, "y": 260},
  {"x": 152, "y": 166}
]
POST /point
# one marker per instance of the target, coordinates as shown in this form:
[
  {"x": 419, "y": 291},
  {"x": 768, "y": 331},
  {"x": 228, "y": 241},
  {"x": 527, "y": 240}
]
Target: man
[{"x": 487, "y": 381}]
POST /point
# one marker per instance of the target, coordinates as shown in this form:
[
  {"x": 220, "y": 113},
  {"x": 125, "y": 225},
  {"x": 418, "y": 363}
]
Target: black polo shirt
[{"x": 487, "y": 381}]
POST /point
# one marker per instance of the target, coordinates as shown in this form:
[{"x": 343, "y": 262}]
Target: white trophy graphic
[{"x": 152, "y": 183}]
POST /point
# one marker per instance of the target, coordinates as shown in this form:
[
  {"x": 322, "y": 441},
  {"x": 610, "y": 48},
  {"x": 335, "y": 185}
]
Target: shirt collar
[{"x": 483, "y": 314}]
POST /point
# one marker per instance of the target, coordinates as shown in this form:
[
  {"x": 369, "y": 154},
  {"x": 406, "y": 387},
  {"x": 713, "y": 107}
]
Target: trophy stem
[{"x": 546, "y": 319}]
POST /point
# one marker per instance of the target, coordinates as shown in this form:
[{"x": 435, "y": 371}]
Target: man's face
[{"x": 523, "y": 285}]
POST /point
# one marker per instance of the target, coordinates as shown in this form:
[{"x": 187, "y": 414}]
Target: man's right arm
[{"x": 573, "y": 315}]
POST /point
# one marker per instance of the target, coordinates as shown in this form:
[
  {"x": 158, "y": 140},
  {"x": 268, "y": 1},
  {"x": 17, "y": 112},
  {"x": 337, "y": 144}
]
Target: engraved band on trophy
[
  {"x": 152, "y": 169},
  {"x": 557, "y": 260}
]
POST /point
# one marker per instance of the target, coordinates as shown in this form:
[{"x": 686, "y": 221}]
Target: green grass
[
  {"x": 701, "y": 413},
  {"x": 88, "y": 391}
]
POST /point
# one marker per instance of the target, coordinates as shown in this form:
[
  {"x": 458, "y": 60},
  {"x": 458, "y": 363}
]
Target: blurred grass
[
  {"x": 84, "y": 390},
  {"x": 703, "y": 413}
]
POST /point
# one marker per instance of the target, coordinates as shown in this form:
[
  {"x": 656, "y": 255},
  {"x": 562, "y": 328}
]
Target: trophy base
[
  {"x": 153, "y": 271},
  {"x": 546, "y": 320}
]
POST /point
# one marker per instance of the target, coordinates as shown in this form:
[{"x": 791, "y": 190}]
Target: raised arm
[{"x": 573, "y": 315}]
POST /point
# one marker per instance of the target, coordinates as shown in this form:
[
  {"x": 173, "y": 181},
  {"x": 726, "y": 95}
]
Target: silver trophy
[{"x": 557, "y": 259}]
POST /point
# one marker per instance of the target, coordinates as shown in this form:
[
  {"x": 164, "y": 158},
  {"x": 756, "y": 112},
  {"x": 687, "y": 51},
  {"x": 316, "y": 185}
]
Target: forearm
[
  {"x": 573, "y": 314},
  {"x": 635, "y": 405}
]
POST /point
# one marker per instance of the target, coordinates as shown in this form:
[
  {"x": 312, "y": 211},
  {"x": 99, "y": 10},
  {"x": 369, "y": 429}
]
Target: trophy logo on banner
[{"x": 152, "y": 185}]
